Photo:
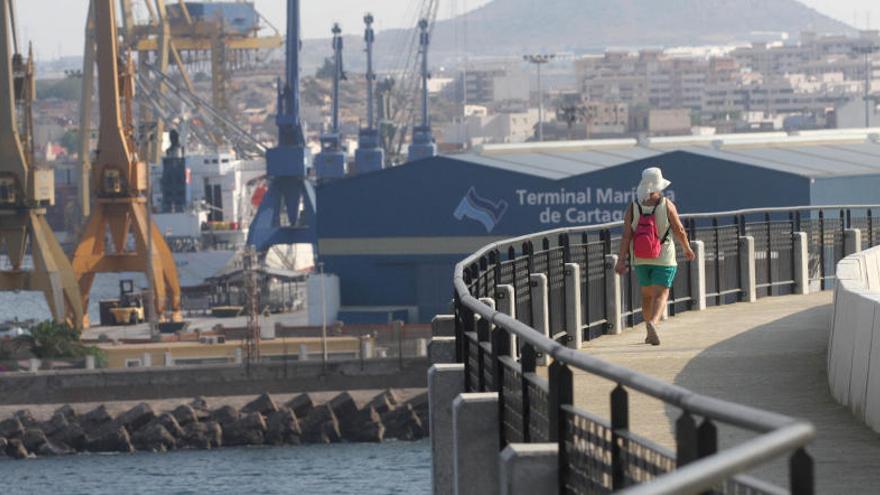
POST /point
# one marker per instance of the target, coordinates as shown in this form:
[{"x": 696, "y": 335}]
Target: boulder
[
  {"x": 35, "y": 441},
  {"x": 201, "y": 435},
  {"x": 419, "y": 404},
  {"x": 33, "y": 438},
  {"x": 402, "y": 423},
  {"x": 201, "y": 409},
  {"x": 57, "y": 423},
  {"x": 301, "y": 405},
  {"x": 282, "y": 428},
  {"x": 73, "y": 435},
  {"x": 15, "y": 449},
  {"x": 262, "y": 404},
  {"x": 67, "y": 411},
  {"x": 184, "y": 414},
  {"x": 368, "y": 426},
  {"x": 384, "y": 402},
  {"x": 320, "y": 426},
  {"x": 346, "y": 412},
  {"x": 3, "y": 444},
  {"x": 137, "y": 417},
  {"x": 26, "y": 417},
  {"x": 112, "y": 438},
  {"x": 95, "y": 419},
  {"x": 170, "y": 423},
  {"x": 11, "y": 428},
  {"x": 250, "y": 429},
  {"x": 226, "y": 416},
  {"x": 153, "y": 438}
]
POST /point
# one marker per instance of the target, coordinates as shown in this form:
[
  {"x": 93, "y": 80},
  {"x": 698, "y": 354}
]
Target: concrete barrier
[
  {"x": 854, "y": 343},
  {"x": 55, "y": 387}
]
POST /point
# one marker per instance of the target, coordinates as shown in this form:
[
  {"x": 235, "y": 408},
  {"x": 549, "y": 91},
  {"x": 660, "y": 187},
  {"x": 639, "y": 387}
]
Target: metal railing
[{"x": 500, "y": 351}]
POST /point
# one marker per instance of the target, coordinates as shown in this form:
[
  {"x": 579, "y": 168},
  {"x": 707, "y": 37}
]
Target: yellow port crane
[
  {"x": 169, "y": 34},
  {"x": 119, "y": 183},
  {"x": 26, "y": 191}
]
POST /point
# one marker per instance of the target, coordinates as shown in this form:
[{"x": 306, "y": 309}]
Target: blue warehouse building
[{"x": 393, "y": 236}]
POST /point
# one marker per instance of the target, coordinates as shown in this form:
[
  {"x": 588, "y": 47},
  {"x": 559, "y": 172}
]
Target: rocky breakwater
[{"x": 195, "y": 425}]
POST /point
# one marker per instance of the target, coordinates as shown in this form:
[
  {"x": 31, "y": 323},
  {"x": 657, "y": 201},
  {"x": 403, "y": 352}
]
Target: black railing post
[
  {"x": 459, "y": 330},
  {"x": 707, "y": 442},
  {"x": 797, "y": 221},
  {"x": 619, "y": 426},
  {"x": 848, "y": 219},
  {"x": 822, "y": 249},
  {"x": 565, "y": 243},
  {"x": 769, "y": 255},
  {"x": 561, "y": 394},
  {"x": 801, "y": 473},
  {"x": 685, "y": 439},
  {"x": 500, "y": 348},
  {"x": 482, "y": 336},
  {"x": 870, "y": 228},
  {"x": 528, "y": 362},
  {"x": 719, "y": 299}
]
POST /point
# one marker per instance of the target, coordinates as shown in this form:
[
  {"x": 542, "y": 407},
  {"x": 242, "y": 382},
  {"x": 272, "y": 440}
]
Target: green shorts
[{"x": 655, "y": 275}]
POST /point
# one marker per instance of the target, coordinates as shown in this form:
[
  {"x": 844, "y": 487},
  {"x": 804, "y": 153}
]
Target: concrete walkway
[{"x": 769, "y": 355}]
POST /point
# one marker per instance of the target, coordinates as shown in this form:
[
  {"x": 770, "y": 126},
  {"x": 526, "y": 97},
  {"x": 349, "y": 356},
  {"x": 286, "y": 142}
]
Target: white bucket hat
[{"x": 652, "y": 181}]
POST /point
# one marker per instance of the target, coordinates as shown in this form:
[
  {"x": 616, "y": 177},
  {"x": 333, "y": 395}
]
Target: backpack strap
[{"x": 669, "y": 228}]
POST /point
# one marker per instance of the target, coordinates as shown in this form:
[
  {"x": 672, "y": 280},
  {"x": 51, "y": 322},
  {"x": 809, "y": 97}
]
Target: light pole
[
  {"x": 538, "y": 61},
  {"x": 323, "y": 316},
  {"x": 867, "y": 50}
]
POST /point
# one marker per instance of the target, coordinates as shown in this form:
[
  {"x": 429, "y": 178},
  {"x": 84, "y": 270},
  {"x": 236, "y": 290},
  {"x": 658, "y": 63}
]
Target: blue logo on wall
[{"x": 480, "y": 209}]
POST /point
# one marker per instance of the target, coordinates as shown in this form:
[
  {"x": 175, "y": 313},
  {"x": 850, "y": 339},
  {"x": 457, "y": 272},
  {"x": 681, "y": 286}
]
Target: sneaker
[{"x": 652, "y": 337}]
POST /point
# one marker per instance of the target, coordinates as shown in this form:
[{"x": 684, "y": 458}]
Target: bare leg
[
  {"x": 648, "y": 302},
  {"x": 660, "y": 296}
]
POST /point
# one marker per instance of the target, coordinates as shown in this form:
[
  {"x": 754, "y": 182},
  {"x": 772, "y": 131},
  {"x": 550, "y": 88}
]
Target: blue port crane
[
  {"x": 330, "y": 162},
  {"x": 423, "y": 145},
  {"x": 287, "y": 212},
  {"x": 369, "y": 156}
]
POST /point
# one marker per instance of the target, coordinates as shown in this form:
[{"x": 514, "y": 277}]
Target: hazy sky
[{"x": 56, "y": 26}]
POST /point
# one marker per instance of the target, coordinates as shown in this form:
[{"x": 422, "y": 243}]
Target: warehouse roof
[{"x": 814, "y": 154}]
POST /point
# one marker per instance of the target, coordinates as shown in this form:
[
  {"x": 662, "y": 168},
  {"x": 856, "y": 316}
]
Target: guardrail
[{"x": 555, "y": 288}]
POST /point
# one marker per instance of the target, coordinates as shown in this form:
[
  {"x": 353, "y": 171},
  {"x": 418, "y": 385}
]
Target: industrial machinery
[
  {"x": 120, "y": 182},
  {"x": 423, "y": 145},
  {"x": 26, "y": 191},
  {"x": 127, "y": 310},
  {"x": 286, "y": 214},
  {"x": 369, "y": 156},
  {"x": 216, "y": 37},
  {"x": 399, "y": 97},
  {"x": 330, "y": 162}
]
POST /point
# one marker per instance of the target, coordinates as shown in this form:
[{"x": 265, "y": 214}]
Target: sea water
[{"x": 362, "y": 469}]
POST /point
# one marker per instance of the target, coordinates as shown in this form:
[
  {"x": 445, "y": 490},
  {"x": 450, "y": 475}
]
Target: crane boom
[
  {"x": 120, "y": 185},
  {"x": 25, "y": 191}
]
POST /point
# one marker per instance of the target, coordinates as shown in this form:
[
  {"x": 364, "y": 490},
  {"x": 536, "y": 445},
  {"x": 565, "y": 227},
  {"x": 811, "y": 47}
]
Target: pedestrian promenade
[{"x": 770, "y": 355}]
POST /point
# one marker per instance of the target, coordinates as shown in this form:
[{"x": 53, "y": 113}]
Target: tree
[
  {"x": 56, "y": 340},
  {"x": 328, "y": 70},
  {"x": 70, "y": 141}
]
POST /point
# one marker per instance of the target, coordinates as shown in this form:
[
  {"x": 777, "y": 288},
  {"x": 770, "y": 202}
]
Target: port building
[{"x": 393, "y": 236}]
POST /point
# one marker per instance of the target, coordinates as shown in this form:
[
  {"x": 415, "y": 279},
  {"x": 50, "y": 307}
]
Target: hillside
[{"x": 513, "y": 27}]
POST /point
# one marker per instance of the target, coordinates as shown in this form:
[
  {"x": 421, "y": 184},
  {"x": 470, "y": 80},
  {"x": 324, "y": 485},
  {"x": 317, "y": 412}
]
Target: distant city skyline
[{"x": 61, "y": 33}]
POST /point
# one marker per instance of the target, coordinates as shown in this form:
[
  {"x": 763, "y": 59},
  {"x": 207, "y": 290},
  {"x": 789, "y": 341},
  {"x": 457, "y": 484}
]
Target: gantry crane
[
  {"x": 26, "y": 191},
  {"x": 369, "y": 156},
  {"x": 287, "y": 213},
  {"x": 119, "y": 183},
  {"x": 171, "y": 34},
  {"x": 330, "y": 163}
]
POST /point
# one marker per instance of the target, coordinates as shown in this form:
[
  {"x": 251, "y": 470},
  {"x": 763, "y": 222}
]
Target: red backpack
[{"x": 646, "y": 240}]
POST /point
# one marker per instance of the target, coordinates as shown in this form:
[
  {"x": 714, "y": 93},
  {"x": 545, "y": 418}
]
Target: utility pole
[
  {"x": 867, "y": 51},
  {"x": 538, "y": 61}
]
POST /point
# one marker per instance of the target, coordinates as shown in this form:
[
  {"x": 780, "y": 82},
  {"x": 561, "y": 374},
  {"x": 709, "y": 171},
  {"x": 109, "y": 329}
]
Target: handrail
[{"x": 779, "y": 433}]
